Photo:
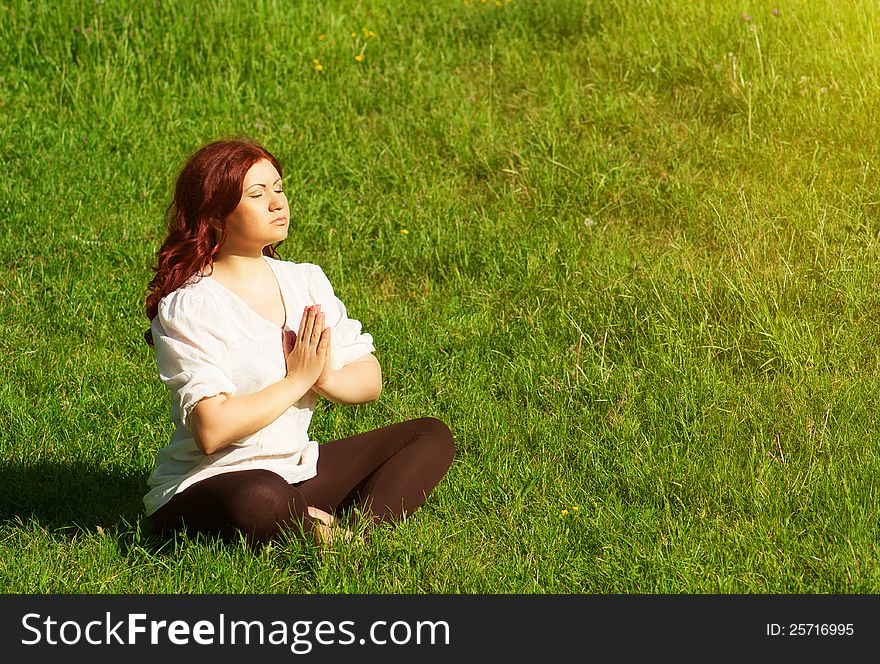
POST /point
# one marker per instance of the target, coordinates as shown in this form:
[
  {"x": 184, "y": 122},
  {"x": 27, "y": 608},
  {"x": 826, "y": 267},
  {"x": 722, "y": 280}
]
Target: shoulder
[
  {"x": 290, "y": 266},
  {"x": 194, "y": 300},
  {"x": 308, "y": 274}
]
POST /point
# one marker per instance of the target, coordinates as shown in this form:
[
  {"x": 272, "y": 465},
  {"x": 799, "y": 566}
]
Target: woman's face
[{"x": 262, "y": 216}]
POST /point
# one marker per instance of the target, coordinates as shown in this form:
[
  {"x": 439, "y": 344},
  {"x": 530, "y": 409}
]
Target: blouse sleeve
[
  {"x": 347, "y": 341},
  {"x": 192, "y": 358}
]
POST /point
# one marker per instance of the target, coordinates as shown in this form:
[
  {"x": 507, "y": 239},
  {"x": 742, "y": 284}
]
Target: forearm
[
  {"x": 220, "y": 421},
  {"x": 358, "y": 382}
]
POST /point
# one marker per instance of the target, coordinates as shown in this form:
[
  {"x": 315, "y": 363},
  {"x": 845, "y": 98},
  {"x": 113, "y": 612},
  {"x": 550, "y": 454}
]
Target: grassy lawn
[{"x": 627, "y": 250}]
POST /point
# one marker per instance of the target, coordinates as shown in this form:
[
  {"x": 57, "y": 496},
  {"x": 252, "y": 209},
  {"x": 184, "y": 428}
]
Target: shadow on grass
[
  {"x": 76, "y": 497},
  {"x": 63, "y": 495}
]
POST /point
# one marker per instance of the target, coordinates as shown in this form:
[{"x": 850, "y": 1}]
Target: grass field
[{"x": 627, "y": 250}]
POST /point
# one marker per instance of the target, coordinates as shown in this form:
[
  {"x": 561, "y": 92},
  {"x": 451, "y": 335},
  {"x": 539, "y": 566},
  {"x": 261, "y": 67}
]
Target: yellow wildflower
[
  {"x": 321, "y": 37},
  {"x": 574, "y": 508},
  {"x": 360, "y": 57},
  {"x": 404, "y": 231},
  {"x": 354, "y": 34},
  {"x": 498, "y": 3},
  {"x": 316, "y": 61},
  {"x": 564, "y": 512}
]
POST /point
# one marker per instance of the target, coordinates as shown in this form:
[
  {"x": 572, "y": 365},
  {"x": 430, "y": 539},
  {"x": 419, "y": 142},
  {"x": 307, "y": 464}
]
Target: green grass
[{"x": 640, "y": 278}]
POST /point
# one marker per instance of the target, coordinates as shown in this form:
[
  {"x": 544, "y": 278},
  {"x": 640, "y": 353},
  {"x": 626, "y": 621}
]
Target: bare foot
[
  {"x": 329, "y": 535},
  {"x": 326, "y": 517},
  {"x": 325, "y": 530}
]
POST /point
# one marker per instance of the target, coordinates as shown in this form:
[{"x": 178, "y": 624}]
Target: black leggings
[{"x": 386, "y": 472}]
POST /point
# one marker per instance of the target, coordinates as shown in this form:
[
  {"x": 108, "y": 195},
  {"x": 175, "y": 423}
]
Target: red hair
[{"x": 208, "y": 189}]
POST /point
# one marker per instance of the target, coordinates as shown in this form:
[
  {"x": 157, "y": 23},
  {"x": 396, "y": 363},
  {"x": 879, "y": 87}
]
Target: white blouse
[{"x": 208, "y": 341}]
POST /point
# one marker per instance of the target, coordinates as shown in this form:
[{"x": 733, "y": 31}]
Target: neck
[{"x": 240, "y": 264}]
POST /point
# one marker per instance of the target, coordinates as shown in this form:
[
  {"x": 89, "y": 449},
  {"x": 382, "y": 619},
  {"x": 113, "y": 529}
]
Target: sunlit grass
[{"x": 626, "y": 250}]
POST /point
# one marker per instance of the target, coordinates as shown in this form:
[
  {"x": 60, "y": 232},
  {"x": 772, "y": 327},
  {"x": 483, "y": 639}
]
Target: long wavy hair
[{"x": 209, "y": 188}]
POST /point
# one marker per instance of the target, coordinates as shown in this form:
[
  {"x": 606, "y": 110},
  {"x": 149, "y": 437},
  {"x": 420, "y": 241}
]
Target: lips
[{"x": 280, "y": 221}]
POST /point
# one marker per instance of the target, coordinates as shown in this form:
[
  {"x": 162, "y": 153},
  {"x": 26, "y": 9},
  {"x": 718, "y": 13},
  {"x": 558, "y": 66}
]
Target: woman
[{"x": 245, "y": 344}]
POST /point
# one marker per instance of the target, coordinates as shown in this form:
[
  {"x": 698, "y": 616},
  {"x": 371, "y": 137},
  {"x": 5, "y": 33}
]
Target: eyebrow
[{"x": 260, "y": 184}]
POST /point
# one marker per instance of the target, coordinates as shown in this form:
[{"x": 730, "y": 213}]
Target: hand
[
  {"x": 325, "y": 372},
  {"x": 311, "y": 350}
]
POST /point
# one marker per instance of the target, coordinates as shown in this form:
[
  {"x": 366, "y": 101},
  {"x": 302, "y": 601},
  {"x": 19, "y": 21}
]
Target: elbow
[
  {"x": 206, "y": 425},
  {"x": 371, "y": 385},
  {"x": 207, "y": 438},
  {"x": 377, "y": 385},
  {"x": 367, "y": 394},
  {"x": 371, "y": 392},
  {"x": 208, "y": 443}
]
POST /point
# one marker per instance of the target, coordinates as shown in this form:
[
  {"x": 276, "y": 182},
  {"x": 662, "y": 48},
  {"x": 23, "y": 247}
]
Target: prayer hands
[{"x": 310, "y": 357}]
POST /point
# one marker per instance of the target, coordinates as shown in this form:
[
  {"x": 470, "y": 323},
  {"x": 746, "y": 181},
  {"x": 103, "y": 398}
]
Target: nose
[{"x": 278, "y": 201}]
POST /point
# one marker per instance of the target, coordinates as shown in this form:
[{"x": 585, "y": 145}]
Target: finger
[
  {"x": 324, "y": 345},
  {"x": 308, "y": 323},
  {"x": 288, "y": 341},
  {"x": 316, "y": 329},
  {"x": 316, "y": 314},
  {"x": 302, "y": 323}
]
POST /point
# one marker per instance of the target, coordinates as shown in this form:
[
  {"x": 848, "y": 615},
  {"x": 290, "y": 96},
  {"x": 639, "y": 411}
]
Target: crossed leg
[{"x": 387, "y": 472}]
